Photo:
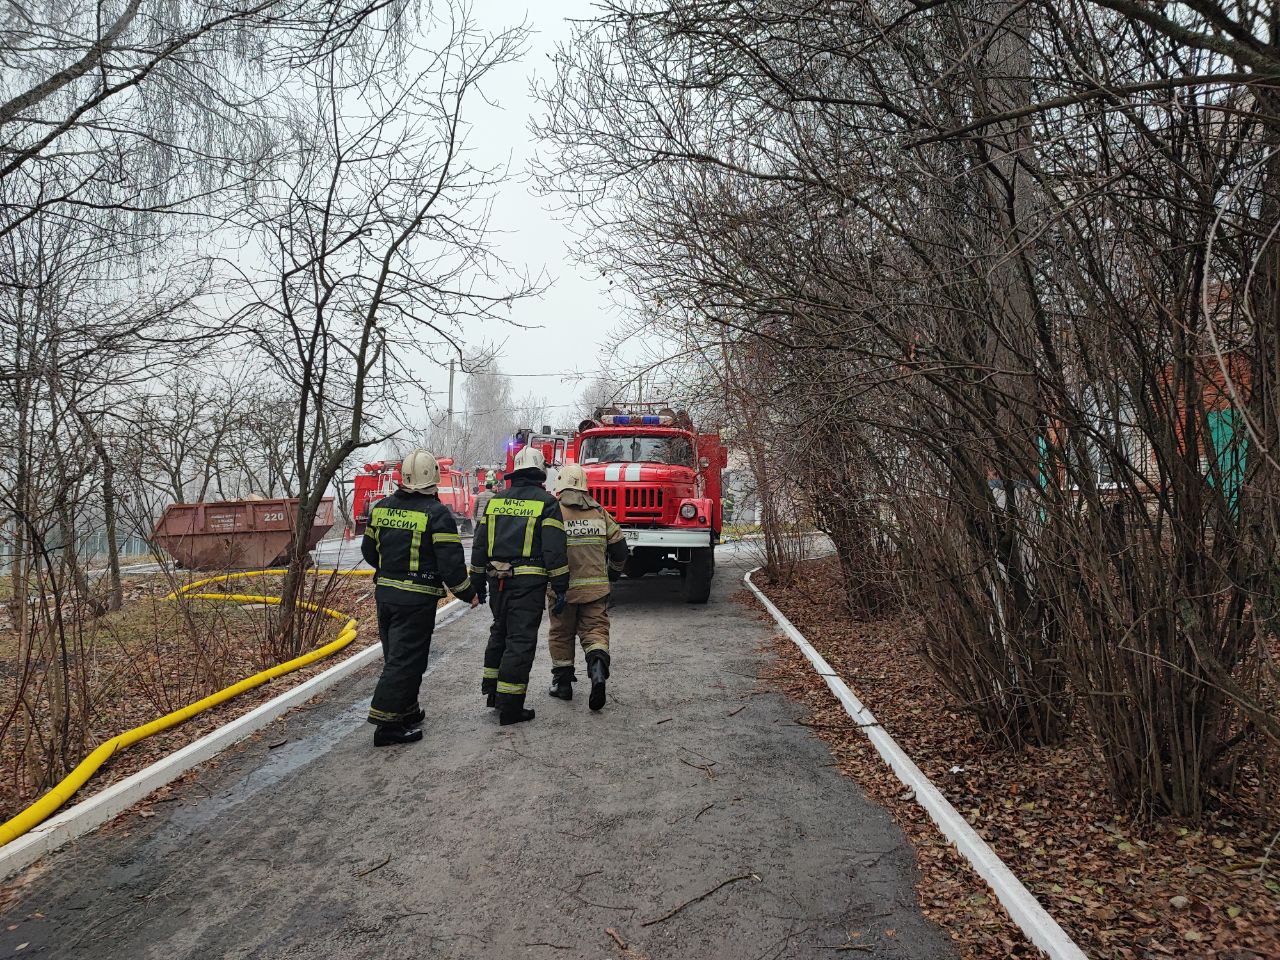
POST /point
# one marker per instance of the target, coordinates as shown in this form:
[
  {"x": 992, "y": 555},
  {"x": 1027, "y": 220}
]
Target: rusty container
[{"x": 235, "y": 534}]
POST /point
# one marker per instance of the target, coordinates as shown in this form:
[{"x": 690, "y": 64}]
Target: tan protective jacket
[{"x": 596, "y": 544}]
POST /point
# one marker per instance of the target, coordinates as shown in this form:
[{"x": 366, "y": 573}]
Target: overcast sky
[{"x": 572, "y": 320}]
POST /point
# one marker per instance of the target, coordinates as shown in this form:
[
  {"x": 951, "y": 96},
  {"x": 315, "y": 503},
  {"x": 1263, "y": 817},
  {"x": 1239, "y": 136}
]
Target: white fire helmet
[
  {"x": 420, "y": 471},
  {"x": 530, "y": 457},
  {"x": 571, "y": 477}
]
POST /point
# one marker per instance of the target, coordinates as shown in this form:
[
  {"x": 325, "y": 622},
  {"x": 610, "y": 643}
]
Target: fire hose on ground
[{"x": 49, "y": 804}]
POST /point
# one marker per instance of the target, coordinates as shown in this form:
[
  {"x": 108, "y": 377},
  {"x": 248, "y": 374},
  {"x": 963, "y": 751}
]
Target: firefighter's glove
[
  {"x": 482, "y": 592},
  {"x": 562, "y": 598}
]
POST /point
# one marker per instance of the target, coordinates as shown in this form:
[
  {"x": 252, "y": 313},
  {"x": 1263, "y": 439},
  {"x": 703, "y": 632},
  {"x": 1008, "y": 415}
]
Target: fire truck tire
[{"x": 697, "y": 579}]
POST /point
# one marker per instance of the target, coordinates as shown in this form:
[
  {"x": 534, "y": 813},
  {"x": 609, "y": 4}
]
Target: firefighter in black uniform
[
  {"x": 520, "y": 547},
  {"x": 413, "y": 546}
]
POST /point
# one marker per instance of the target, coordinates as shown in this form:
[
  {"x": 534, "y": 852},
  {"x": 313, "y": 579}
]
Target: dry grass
[{"x": 148, "y": 659}]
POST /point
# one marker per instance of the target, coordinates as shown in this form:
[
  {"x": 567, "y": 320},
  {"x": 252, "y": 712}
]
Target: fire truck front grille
[
  {"x": 607, "y": 497},
  {"x": 631, "y": 503},
  {"x": 643, "y": 499}
]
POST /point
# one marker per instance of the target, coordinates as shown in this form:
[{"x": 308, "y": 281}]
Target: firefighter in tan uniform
[{"x": 596, "y": 546}]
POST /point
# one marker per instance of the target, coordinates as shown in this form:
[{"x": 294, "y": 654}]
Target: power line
[{"x": 569, "y": 374}]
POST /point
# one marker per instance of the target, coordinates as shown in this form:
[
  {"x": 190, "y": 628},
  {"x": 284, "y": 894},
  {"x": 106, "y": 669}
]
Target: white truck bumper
[{"x": 666, "y": 538}]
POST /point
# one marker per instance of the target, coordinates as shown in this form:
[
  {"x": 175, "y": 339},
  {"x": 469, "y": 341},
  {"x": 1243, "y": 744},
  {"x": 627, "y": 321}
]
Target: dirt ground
[{"x": 693, "y": 817}]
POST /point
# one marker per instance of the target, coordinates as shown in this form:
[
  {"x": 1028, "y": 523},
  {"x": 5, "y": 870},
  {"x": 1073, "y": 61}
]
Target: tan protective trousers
[{"x": 589, "y": 621}]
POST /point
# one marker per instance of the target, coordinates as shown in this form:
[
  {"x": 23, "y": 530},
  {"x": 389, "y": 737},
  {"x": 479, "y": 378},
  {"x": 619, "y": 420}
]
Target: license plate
[{"x": 631, "y": 534}]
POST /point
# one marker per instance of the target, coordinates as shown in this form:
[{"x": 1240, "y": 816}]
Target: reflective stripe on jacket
[
  {"x": 596, "y": 544},
  {"x": 522, "y": 526},
  {"x": 413, "y": 545}
]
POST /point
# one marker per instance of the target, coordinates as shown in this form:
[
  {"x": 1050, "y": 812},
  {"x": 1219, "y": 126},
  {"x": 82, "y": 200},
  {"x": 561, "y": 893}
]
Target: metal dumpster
[{"x": 235, "y": 534}]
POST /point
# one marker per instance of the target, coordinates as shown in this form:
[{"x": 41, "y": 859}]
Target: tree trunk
[
  {"x": 115, "y": 591},
  {"x": 70, "y": 555}
]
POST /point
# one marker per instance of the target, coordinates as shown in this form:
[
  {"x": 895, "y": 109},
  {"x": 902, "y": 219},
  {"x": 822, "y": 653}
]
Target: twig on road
[
  {"x": 577, "y": 895},
  {"x": 704, "y": 810},
  {"x": 622, "y": 944},
  {"x": 701, "y": 896},
  {"x": 778, "y": 946},
  {"x": 667, "y": 720},
  {"x": 365, "y": 873},
  {"x": 700, "y": 754},
  {"x": 707, "y": 769},
  {"x": 736, "y": 712}
]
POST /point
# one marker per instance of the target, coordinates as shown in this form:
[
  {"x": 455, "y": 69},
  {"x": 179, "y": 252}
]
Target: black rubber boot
[
  {"x": 511, "y": 709},
  {"x": 562, "y": 683},
  {"x": 389, "y": 734},
  {"x": 415, "y": 719},
  {"x": 598, "y": 670}
]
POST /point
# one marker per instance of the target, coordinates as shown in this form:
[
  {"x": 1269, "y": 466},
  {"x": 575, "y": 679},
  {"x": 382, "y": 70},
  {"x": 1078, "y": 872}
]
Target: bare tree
[{"x": 375, "y": 237}]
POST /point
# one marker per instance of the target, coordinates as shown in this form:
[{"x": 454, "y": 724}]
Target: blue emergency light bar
[{"x": 635, "y": 420}]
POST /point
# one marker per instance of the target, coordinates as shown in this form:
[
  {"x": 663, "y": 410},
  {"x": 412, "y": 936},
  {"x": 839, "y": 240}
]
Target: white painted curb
[
  {"x": 89, "y": 814},
  {"x": 1024, "y": 908}
]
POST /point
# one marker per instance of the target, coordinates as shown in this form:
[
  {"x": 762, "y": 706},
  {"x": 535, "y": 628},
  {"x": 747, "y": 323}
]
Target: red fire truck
[
  {"x": 660, "y": 479},
  {"x": 379, "y": 479}
]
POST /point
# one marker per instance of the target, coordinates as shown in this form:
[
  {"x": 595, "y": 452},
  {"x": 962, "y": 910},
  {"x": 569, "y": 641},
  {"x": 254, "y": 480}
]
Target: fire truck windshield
[{"x": 674, "y": 450}]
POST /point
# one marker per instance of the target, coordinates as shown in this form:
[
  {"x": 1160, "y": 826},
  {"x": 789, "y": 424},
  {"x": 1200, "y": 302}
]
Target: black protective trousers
[
  {"x": 517, "y": 604},
  {"x": 405, "y": 630}
]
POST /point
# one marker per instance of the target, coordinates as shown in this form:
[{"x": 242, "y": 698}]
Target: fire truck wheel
[{"x": 697, "y": 580}]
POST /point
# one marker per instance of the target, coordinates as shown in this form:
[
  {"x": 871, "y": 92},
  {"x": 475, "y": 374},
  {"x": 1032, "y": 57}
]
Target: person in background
[{"x": 482, "y": 501}]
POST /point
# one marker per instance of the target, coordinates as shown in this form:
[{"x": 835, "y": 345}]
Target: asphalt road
[
  {"x": 528, "y": 841},
  {"x": 345, "y": 554}
]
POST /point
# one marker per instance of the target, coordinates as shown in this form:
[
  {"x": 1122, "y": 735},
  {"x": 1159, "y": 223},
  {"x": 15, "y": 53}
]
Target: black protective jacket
[
  {"x": 522, "y": 526},
  {"x": 413, "y": 546}
]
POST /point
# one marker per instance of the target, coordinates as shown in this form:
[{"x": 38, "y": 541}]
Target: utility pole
[{"x": 449, "y": 412}]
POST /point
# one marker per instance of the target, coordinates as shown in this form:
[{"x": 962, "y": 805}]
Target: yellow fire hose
[{"x": 47, "y": 805}]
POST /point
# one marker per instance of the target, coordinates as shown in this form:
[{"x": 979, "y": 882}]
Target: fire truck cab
[{"x": 660, "y": 479}]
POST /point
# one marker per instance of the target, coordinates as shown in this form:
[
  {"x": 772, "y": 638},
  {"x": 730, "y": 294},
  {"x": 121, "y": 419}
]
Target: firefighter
[
  {"x": 519, "y": 547},
  {"x": 412, "y": 543},
  {"x": 596, "y": 547},
  {"x": 482, "y": 501}
]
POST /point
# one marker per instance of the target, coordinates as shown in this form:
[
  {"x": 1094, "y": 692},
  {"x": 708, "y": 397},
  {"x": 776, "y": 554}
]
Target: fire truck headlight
[{"x": 688, "y": 511}]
